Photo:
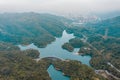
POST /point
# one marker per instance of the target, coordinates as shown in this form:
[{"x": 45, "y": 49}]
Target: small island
[
  {"x": 68, "y": 47},
  {"x": 73, "y": 43}
]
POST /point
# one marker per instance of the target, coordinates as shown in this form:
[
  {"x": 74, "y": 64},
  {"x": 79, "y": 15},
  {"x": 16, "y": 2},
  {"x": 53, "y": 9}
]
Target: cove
[{"x": 56, "y": 75}]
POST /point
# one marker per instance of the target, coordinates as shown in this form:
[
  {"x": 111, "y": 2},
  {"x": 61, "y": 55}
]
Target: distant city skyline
[{"x": 60, "y": 6}]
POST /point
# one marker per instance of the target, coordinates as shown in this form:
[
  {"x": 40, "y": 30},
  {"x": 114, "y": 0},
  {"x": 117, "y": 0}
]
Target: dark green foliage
[
  {"x": 105, "y": 49},
  {"x": 86, "y": 51},
  {"x": 68, "y": 47},
  {"x": 16, "y": 66},
  {"x": 32, "y": 53},
  {"x": 73, "y": 43},
  {"x": 76, "y": 42},
  {"x": 26, "y": 28},
  {"x": 19, "y": 65},
  {"x": 109, "y": 53},
  {"x": 41, "y": 29},
  {"x": 76, "y": 70},
  {"x": 80, "y": 30},
  {"x": 113, "y": 26},
  {"x": 7, "y": 46}
]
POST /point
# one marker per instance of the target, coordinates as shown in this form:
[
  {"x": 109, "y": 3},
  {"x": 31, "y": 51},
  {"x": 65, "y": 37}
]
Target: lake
[{"x": 55, "y": 50}]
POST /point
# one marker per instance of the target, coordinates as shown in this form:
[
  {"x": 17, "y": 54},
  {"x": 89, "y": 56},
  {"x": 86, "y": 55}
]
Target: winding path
[{"x": 97, "y": 71}]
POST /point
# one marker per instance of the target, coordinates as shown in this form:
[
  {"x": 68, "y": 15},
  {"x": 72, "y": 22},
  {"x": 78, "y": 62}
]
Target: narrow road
[
  {"x": 85, "y": 40},
  {"x": 113, "y": 67}
]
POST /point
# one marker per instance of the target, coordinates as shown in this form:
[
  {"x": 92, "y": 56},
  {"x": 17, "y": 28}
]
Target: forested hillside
[
  {"x": 102, "y": 41},
  {"x": 20, "y": 65},
  {"x": 112, "y": 25},
  {"x": 26, "y": 28}
]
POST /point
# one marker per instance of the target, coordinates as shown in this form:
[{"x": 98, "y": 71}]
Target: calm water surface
[{"x": 55, "y": 50}]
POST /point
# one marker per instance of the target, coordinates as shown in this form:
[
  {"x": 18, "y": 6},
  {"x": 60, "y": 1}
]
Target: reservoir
[{"x": 55, "y": 50}]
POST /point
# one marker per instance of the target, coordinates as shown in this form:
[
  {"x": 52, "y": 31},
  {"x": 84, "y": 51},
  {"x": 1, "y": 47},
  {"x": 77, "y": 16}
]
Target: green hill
[
  {"x": 113, "y": 26},
  {"x": 26, "y": 28}
]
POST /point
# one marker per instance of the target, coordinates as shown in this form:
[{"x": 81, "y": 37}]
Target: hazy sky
[{"x": 60, "y": 6}]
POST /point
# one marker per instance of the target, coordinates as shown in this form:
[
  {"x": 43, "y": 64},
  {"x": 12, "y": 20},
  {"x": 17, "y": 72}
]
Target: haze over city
[{"x": 60, "y": 6}]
